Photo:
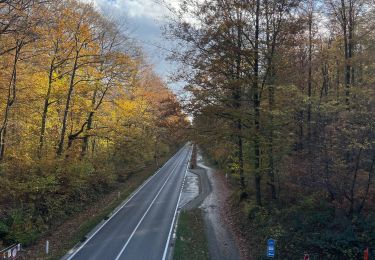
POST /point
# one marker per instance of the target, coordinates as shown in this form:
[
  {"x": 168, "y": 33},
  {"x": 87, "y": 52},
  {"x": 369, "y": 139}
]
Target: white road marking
[
  {"x": 144, "y": 215},
  {"x": 175, "y": 212},
  {"x": 135, "y": 193}
]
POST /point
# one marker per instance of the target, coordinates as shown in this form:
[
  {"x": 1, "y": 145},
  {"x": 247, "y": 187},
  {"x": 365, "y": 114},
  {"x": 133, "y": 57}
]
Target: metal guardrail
[{"x": 11, "y": 252}]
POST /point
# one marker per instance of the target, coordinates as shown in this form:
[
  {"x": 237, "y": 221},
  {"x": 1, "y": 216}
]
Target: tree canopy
[
  {"x": 283, "y": 100},
  {"x": 79, "y": 110}
]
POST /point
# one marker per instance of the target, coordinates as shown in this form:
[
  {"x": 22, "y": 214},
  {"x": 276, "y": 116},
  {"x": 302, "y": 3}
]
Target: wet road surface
[
  {"x": 190, "y": 189},
  {"x": 221, "y": 242}
]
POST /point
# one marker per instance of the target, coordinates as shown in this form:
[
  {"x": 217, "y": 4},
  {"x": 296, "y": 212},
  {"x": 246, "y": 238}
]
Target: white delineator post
[{"x": 47, "y": 247}]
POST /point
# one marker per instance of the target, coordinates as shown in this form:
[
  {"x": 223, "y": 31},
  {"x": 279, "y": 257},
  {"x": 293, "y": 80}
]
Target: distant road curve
[{"x": 142, "y": 227}]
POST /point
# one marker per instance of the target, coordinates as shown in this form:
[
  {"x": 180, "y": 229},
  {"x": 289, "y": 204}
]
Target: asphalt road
[{"x": 142, "y": 228}]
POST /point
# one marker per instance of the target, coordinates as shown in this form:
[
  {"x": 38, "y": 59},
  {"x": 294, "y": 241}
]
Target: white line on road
[
  {"x": 175, "y": 213},
  {"x": 149, "y": 207},
  {"x": 147, "y": 181}
]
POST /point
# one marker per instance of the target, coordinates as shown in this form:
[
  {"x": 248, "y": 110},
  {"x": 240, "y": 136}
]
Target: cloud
[
  {"x": 154, "y": 9},
  {"x": 144, "y": 19}
]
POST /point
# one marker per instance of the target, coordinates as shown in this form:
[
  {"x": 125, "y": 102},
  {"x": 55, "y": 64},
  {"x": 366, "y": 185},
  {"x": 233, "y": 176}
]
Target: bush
[
  {"x": 22, "y": 229},
  {"x": 311, "y": 225},
  {"x": 46, "y": 193}
]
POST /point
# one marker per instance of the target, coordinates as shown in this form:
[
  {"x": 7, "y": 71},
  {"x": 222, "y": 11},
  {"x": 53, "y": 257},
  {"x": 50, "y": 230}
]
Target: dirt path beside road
[{"x": 213, "y": 200}]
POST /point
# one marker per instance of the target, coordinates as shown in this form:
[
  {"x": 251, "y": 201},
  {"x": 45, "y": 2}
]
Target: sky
[{"x": 143, "y": 20}]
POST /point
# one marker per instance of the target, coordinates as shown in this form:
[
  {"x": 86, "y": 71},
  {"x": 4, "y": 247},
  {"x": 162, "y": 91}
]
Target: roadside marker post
[
  {"x": 47, "y": 247},
  {"x": 271, "y": 248},
  {"x": 366, "y": 253}
]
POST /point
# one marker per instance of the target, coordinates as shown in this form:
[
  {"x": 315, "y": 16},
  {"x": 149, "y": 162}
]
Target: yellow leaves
[
  {"x": 133, "y": 111},
  {"x": 80, "y": 109},
  {"x": 106, "y": 95}
]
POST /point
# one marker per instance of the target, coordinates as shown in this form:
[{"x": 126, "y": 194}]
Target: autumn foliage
[
  {"x": 283, "y": 101},
  {"x": 79, "y": 111}
]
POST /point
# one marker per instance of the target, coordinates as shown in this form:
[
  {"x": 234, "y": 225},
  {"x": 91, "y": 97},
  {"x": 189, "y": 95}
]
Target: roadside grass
[
  {"x": 125, "y": 191},
  {"x": 104, "y": 208},
  {"x": 191, "y": 240}
]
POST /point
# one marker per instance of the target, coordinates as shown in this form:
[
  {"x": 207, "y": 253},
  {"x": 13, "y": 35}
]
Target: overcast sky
[{"x": 144, "y": 19}]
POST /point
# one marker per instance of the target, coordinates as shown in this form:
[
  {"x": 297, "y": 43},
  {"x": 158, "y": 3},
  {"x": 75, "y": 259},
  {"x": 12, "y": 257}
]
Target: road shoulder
[
  {"x": 204, "y": 189},
  {"x": 208, "y": 208}
]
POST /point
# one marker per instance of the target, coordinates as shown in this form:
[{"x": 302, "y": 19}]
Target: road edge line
[
  {"x": 175, "y": 213},
  {"x": 144, "y": 215},
  {"x": 120, "y": 208}
]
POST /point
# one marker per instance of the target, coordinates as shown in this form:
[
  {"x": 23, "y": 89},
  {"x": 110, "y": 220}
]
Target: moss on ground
[{"x": 191, "y": 240}]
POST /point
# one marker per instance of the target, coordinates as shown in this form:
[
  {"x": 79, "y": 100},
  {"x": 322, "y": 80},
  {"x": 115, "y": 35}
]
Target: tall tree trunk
[
  {"x": 85, "y": 140},
  {"x": 256, "y": 101},
  {"x": 11, "y": 97},
  {"x": 347, "y": 27},
  {"x": 90, "y": 119},
  {"x": 67, "y": 106},
  {"x": 351, "y": 42},
  {"x": 238, "y": 104},
  {"x": 240, "y": 156},
  {"x": 270, "y": 81},
  {"x": 45, "y": 108},
  {"x": 271, "y": 166},
  {"x": 309, "y": 81}
]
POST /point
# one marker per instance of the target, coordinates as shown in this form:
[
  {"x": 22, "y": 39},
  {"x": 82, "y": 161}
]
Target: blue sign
[{"x": 270, "y": 248}]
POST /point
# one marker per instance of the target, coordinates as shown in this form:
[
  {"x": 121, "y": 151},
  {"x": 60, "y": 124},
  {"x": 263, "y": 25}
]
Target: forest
[
  {"x": 282, "y": 96},
  {"x": 80, "y": 110}
]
